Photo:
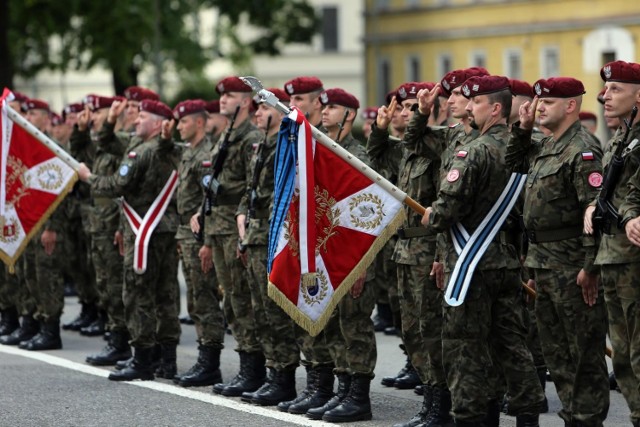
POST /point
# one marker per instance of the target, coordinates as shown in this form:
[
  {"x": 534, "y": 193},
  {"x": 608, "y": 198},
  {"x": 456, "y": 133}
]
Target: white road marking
[{"x": 167, "y": 388}]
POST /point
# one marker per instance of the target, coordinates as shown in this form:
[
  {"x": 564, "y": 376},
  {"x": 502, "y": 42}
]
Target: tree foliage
[{"x": 126, "y": 35}]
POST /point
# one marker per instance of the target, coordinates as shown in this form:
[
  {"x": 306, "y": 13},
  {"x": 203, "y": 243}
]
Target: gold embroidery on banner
[
  {"x": 16, "y": 176},
  {"x": 366, "y": 211},
  {"x": 316, "y": 294},
  {"x": 50, "y": 176},
  {"x": 8, "y": 227}
]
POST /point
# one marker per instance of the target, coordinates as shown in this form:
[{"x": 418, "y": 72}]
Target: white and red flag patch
[
  {"x": 587, "y": 155},
  {"x": 330, "y": 220},
  {"x": 33, "y": 182}
]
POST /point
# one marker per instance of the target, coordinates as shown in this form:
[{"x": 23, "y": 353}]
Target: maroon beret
[
  {"x": 410, "y": 90},
  {"x": 137, "y": 93},
  {"x": 621, "y": 71},
  {"x": 522, "y": 88},
  {"x": 279, "y": 93},
  {"x": 56, "y": 119},
  {"x": 482, "y": 85},
  {"x": 99, "y": 102},
  {"x": 303, "y": 85},
  {"x": 587, "y": 115},
  {"x": 213, "y": 107},
  {"x": 232, "y": 84},
  {"x": 389, "y": 96},
  {"x": 37, "y": 104},
  {"x": 75, "y": 107},
  {"x": 370, "y": 113},
  {"x": 339, "y": 97},
  {"x": 456, "y": 78},
  {"x": 558, "y": 87},
  {"x": 19, "y": 96},
  {"x": 601, "y": 96},
  {"x": 156, "y": 107},
  {"x": 190, "y": 106}
]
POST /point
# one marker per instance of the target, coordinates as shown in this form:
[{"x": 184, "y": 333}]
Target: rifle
[
  {"x": 212, "y": 187},
  {"x": 605, "y": 215},
  {"x": 253, "y": 195},
  {"x": 341, "y": 125}
]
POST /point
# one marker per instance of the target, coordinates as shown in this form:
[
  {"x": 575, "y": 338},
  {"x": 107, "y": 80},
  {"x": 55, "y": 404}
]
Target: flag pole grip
[
  {"x": 270, "y": 99},
  {"x": 57, "y": 150}
]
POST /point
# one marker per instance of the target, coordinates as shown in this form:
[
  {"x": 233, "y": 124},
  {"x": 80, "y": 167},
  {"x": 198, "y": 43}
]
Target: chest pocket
[{"x": 550, "y": 182}]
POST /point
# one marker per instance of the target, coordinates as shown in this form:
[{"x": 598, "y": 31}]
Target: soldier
[
  {"x": 146, "y": 179},
  {"x": 275, "y": 329},
  {"x": 618, "y": 254},
  {"x": 490, "y": 322},
  {"x": 134, "y": 95},
  {"x": 103, "y": 217},
  {"x": 369, "y": 115},
  {"x": 565, "y": 175},
  {"x": 202, "y": 298},
  {"x": 221, "y": 236},
  {"x": 216, "y": 122},
  {"x": 305, "y": 94}
]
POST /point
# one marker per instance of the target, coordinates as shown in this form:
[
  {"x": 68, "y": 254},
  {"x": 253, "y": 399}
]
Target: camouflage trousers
[
  {"x": 14, "y": 290},
  {"x": 277, "y": 335},
  {"x": 533, "y": 337},
  {"x": 622, "y": 295},
  {"x": 78, "y": 262},
  {"x": 349, "y": 336},
  {"x": 421, "y": 310},
  {"x": 232, "y": 275},
  {"x": 489, "y": 327},
  {"x": 151, "y": 300},
  {"x": 43, "y": 276},
  {"x": 9, "y": 289},
  {"x": 108, "y": 264},
  {"x": 573, "y": 338},
  {"x": 202, "y": 296},
  {"x": 386, "y": 280}
]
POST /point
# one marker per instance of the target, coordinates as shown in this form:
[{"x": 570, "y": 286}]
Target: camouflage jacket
[
  {"x": 385, "y": 153},
  {"x": 257, "y": 232},
  {"x": 104, "y": 213},
  {"x": 194, "y": 163},
  {"x": 476, "y": 178},
  {"x": 563, "y": 178},
  {"x": 116, "y": 143},
  {"x": 140, "y": 178},
  {"x": 232, "y": 178},
  {"x": 615, "y": 248}
]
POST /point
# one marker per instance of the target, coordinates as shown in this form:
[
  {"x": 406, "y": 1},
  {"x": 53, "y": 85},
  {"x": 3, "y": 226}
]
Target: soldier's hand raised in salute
[
  {"x": 527, "y": 114},
  {"x": 83, "y": 118},
  {"x": 167, "y": 128},
  {"x": 115, "y": 110},
  {"x": 385, "y": 114},
  {"x": 426, "y": 99}
]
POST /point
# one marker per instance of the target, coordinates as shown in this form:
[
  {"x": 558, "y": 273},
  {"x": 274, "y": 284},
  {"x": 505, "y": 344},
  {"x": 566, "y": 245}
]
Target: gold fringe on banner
[{"x": 360, "y": 269}]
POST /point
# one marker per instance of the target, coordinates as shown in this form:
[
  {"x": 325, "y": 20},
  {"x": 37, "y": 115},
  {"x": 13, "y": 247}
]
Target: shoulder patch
[
  {"x": 124, "y": 170},
  {"x": 595, "y": 179},
  {"x": 206, "y": 163},
  {"x": 132, "y": 154},
  {"x": 462, "y": 154},
  {"x": 453, "y": 175},
  {"x": 587, "y": 155}
]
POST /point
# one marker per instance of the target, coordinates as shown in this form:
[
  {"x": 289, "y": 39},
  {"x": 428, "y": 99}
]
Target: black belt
[
  {"x": 228, "y": 200},
  {"x": 544, "y": 236}
]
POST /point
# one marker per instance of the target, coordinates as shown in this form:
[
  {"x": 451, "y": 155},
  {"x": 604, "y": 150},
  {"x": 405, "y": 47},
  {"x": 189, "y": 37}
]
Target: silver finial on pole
[{"x": 267, "y": 97}]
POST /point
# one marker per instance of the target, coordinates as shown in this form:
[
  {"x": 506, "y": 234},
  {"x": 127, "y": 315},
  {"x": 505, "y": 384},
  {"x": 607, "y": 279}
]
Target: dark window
[
  {"x": 384, "y": 80},
  {"x": 608, "y": 57},
  {"x": 414, "y": 69},
  {"x": 330, "y": 29}
]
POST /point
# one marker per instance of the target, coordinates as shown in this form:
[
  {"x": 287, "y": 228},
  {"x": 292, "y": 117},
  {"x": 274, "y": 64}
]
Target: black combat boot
[
  {"x": 244, "y": 367},
  {"x": 322, "y": 394},
  {"x": 248, "y": 396},
  {"x": 88, "y": 314},
  {"x": 356, "y": 406},
  {"x": 383, "y": 318},
  {"x": 531, "y": 420},
  {"x": 440, "y": 406},
  {"x": 344, "y": 383},
  {"x": 312, "y": 385},
  {"x": 118, "y": 349},
  {"x": 425, "y": 410},
  {"x": 140, "y": 367},
  {"x": 97, "y": 327},
  {"x": 419, "y": 390},
  {"x": 409, "y": 380},
  {"x": 390, "y": 381},
  {"x": 492, "y": 419},
  {"x": 168, "y": 366},
  {"x": 282, "y": 388},
  {"x": 10, "y": 321},
  {"x": 27, "y": 330},
  {"x": 47, "y": 339},
  {"x": 251, "y": 378},
  {"x": 187, "y": 320},
  {"x": 206, "y": 371}
]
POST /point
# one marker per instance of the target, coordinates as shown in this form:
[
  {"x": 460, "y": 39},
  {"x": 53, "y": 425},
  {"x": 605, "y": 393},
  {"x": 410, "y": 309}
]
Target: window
[
  {"x": 608, "y": 57},
  {"x": 513, "y": 63},
  {"x": 444, "y": 64},
  {"x": 478, "y": 59},
  {"x": 550, "y": 62},
  {"x": 384, "y": 79},
  {"x": 413, "y": 71},
  {"x": 330, "y": 29}
]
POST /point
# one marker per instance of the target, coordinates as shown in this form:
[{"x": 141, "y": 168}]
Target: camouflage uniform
[
  {"x": 222, "y": 234},
  {"x": 277, "y": 332},
  {"x": 619, "y": 260},
  {"x": 572, "y": 334},
  {"x": 104, "y": 220},
  {"x": 490, "y": 323},
  {"x": 150, "y": 299},
  {"x": 202, "y": 296}
]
